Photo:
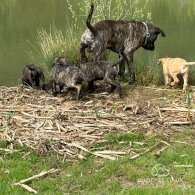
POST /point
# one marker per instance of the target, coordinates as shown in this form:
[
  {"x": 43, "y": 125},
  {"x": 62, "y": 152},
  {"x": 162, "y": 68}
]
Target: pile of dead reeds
[{"x": 36, "y": 119}]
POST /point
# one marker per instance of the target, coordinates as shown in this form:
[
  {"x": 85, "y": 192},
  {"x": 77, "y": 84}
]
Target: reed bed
[{"x": 44, "y": 123}]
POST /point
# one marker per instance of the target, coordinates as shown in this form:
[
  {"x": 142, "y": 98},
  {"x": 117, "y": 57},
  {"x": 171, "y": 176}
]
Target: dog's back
[
  {"x": 66, "y": 75},
  {"x": 174, "y": 65},
  {"x": 98, "y": 70}
]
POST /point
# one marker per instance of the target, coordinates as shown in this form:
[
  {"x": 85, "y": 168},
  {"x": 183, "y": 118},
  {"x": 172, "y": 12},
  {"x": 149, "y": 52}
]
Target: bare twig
[
  {"x": 179, "y": 123},
  {"x": 43, "y": 173},
  {"x": 147, "y": 150},
  {"x": 184, "y": 166},
  {"x": 26, "y": 187},
  {"x": 177, "y": 109}
]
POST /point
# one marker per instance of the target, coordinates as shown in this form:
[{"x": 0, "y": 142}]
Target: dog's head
[
  {"x": 161, "y": 60},
  {"x": 151, "y": 37},
  {"x": 60, "y": 61},
  {"x": 33, "y": 71}
]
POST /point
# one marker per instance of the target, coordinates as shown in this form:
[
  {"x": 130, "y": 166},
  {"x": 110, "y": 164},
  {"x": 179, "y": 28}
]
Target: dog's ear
[
  {"x": 159, "y": 61},
  {"x": 56, "y": 60},
  {"x": 159, "y": 31}
]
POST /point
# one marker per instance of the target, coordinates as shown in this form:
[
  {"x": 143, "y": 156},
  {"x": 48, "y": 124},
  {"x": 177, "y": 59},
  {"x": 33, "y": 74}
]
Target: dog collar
[{"x": 146, "y": 34}]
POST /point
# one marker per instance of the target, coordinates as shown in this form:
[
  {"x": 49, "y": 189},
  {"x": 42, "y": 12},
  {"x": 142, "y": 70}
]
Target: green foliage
[{"x": 112, "y": 9}]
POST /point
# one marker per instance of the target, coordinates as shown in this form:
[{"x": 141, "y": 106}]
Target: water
[{"x": 20, "y": 20}]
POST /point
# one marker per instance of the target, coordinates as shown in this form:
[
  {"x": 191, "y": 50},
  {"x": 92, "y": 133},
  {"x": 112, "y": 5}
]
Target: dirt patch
[{"x": 42, "y": 122}]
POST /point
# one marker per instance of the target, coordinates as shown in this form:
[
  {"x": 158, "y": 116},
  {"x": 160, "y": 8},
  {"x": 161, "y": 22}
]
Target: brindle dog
[
  {"x": 118, "y": 35},
  {"x": 102, "y": 70},
  {"x": 32, "y": 75},
  {"x": 64, "y": 74}
]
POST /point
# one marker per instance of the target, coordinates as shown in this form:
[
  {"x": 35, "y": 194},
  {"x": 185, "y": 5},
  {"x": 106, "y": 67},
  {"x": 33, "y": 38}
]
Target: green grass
[{"x": 100, "y": 176}]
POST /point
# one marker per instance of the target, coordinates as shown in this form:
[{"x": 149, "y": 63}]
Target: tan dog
[{"x": 174, "y": 66}]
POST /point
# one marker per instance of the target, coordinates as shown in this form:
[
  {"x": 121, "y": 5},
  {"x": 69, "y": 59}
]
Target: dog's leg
[
  {"x": 116, "y": 84},
  {"x": 54, "y": 90},
  {"x": 175, "y": 80},
  {"x": 166, "y": 79},
  {"x": 78, "y": 88},
  {"x": 41, "y": 81},
  {"x": 122, "y": 67},
  {"x": 83, "y": 57},
  {"x": 91, "y": 86},
  {"x": 113, "y": 87},
  {"x": 97, "y": 48},
  {"x": 131, "y": 69},
  {"x": 185, "y": 79}
]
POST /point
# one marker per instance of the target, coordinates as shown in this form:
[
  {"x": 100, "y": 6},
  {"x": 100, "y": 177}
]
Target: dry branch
[
  {"x": 177, "y": 109},
  {"x": 179, "y": 123},
  {"x": 184, "y": 166},
  {"x": 148, "y": 150},
  {"x": 43, "y": 173},
  {"x": 26, "y": 187},
  {"x": 23, "y": 182},
  {"x": 84, "y": 149}
]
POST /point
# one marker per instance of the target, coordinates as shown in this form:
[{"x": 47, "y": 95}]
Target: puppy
[
  {"x": 64, "y": 74},
  {"x": 102, "y": 70},
  {"x": 172, "y": 67},
  {"x": 32, "y": 75},
  {"x": 118, "y": 35}
]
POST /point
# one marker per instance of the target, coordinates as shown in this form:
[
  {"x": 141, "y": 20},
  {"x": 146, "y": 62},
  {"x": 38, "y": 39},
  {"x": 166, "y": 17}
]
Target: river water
[{"x": 20, "y": 20}]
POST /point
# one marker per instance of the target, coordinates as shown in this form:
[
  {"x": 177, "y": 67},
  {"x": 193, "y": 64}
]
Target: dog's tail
[
  {"x": 119, "y": 60},
  {"x": 189, "y": 63},
  {"x": 88, "y": 21}
]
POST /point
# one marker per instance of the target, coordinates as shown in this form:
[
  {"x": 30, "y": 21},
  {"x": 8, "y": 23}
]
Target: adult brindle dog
[{"x": 118, "y": 35}]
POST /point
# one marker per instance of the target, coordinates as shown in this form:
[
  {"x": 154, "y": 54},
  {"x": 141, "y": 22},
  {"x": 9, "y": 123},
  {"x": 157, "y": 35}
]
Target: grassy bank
[{"x": 96, "y": 176}]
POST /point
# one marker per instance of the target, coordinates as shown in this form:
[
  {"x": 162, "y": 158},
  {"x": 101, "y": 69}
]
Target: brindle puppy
[
  {"x": 102, "y": 70},
  {"x": 119, "y": 35},
  {"x": 32, "y": 75},
  {"x": 67, "y": 75}
]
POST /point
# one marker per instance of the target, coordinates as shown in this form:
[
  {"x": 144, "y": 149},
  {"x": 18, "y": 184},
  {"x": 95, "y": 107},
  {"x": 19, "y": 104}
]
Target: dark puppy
[
  {"x": 102, "y": 70},
  {"x": 64, "y": 74},
  {"x": 32, "y": 75},
  {"x": 119, "y": 35}
]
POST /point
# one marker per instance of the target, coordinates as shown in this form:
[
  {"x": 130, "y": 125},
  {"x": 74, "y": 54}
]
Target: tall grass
[
  {"x": 112, "y": 9},
  {"x": 147, "y": 70},
  {"x": 192, "y": 71},
  {"x": 54, "y": 43}
]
